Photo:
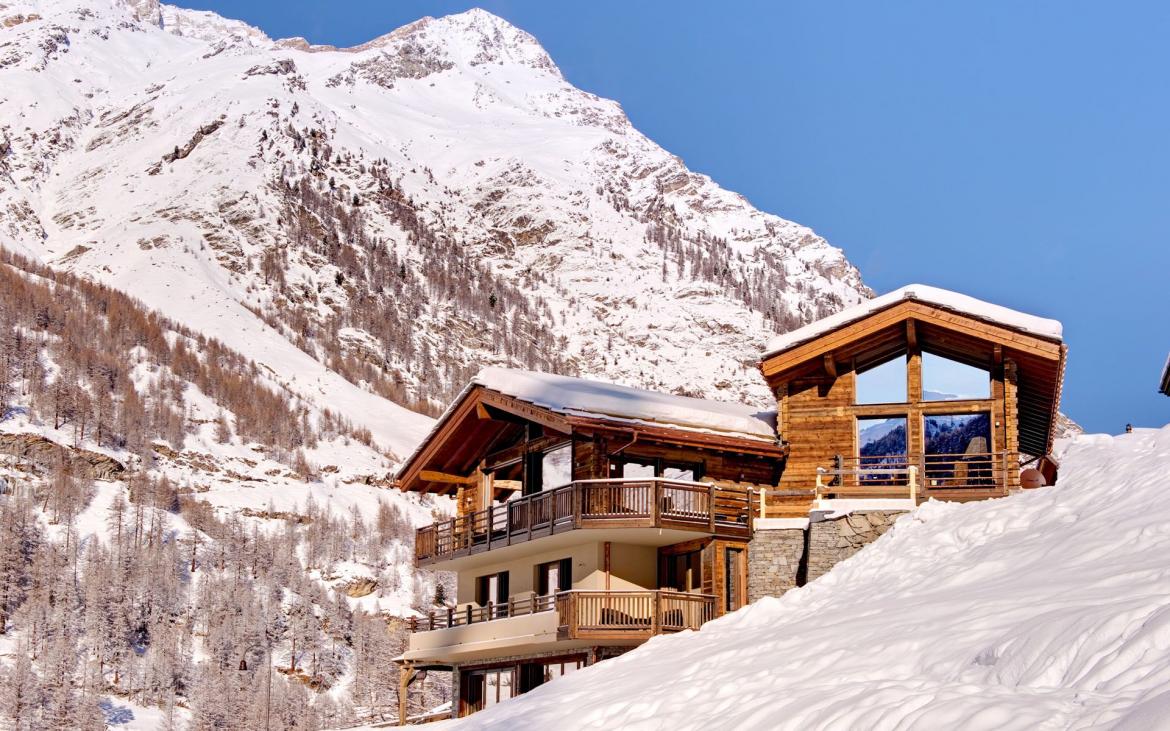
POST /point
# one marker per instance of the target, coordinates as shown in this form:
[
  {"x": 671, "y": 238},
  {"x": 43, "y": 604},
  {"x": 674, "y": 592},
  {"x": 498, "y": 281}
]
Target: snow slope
[{"x": 1044, "y": 610}]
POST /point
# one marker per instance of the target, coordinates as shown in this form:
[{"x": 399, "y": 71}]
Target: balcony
[
  {"x": 650, "y": 503},
  {"x": 588, "y": 615},
  {"x": 918, "y": 477}
]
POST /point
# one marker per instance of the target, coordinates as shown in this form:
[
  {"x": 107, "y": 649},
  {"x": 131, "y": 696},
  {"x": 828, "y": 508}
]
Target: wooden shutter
[
  {"x": 502, "y": 588},
  {"x": 565, "y": 575}
]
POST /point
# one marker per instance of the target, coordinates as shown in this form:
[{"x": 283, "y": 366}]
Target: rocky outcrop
[
  {"x": 361, "y": 587},
  {"x": 47, "y": 454}
]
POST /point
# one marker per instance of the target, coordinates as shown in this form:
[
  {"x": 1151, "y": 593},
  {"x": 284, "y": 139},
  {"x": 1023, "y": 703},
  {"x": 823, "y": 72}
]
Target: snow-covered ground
[{"x": 1044, "y": 610}]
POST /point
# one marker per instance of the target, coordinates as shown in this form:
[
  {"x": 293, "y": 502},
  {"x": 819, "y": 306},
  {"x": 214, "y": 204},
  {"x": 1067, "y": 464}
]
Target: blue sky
[{"x": 1017, "y": 152}]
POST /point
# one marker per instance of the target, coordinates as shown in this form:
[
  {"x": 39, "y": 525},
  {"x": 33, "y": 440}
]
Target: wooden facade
[{"x": 818, "y": 408}]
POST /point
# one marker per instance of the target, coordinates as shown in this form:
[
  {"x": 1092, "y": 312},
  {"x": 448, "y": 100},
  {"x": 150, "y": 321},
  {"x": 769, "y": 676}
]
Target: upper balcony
[
  {"x": 960, "y": 477},
  {"x": 666, "y": 510}
]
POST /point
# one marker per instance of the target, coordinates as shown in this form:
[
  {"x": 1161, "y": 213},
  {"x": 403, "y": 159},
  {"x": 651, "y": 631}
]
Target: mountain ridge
[{"x": 394, "y": 215}]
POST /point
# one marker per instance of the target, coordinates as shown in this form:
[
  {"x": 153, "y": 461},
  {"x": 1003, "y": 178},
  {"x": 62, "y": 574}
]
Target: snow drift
[{"x": 1048, "y": 609}]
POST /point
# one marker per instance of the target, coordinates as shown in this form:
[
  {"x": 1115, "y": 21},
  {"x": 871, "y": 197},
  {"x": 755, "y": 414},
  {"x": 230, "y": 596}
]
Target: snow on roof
[
  {"x": 1039, "y": 326},
  {"x": 584, "y": 397}
]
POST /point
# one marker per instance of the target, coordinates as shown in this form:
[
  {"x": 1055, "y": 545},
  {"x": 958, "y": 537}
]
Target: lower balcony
[
  {"x": 568, "y": 619},
  {"x": 672, "y": 508}
]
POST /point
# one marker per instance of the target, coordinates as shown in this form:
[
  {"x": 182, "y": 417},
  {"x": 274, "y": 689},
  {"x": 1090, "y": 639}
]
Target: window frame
[
  {"x": 483, "y": 590},
  {"x": 564, "y": 568},
  {"x": 660, "y": 465}
]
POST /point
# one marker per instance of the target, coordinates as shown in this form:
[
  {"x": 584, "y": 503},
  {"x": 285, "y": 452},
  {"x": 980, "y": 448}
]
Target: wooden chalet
[
  {"x": 590, "y": 517},
  {"x": 951, "y": 446}
]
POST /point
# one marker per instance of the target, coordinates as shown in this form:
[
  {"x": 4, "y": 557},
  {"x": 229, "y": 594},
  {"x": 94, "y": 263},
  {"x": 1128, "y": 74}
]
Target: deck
[
  {"x": 584, "y": 504},
  {"x": 609, "y": 616},
  {"x": 972, "y": 476}
]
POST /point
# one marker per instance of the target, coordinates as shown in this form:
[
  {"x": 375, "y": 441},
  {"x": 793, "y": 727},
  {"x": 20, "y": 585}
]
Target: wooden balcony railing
[
  {"x": 613, "y": 615},
  {"x": 615, "y": 503},
  {"x": 917, "y": 476},
  {"x": 586, "y": 614}
]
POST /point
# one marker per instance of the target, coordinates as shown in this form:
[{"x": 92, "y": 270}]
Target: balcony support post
[
  {"x": 711, "y": 507},
  {"x": 656, "y": 614}
]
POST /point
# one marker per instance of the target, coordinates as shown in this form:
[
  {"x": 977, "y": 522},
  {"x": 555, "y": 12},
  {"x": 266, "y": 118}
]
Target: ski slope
[{"x": 1045, "y": 610}]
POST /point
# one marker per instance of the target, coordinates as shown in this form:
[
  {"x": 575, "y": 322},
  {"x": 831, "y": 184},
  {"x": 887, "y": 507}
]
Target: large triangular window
[
  {"x": 884, "y": 383},
  {"x": 944, "y": 379}
]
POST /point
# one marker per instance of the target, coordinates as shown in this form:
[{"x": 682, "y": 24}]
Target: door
[{"x": 735, "y": 579}]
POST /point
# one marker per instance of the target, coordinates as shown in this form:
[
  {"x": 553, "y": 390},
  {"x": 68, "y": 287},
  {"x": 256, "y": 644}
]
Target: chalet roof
[
  {"x": 943, "y": 298},
  {"x": 567, "y": 404},
  {"x": 597, "y": 399},
  {"x": 1165, "y": 387}
]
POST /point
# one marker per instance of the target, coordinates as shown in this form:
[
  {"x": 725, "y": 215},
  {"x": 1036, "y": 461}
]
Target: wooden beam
[
  {"x": 514, "y": 453},
  {"x": 446, "y": 478},
  {"x": 408, "y": 473},
  {"x": 406, "y": 676},
  {"x": 830, "y": 365},
  {"x": 482, "y": 412},
  {"x": 911, "y": 334},
  {"x": 533, "y": 413}
]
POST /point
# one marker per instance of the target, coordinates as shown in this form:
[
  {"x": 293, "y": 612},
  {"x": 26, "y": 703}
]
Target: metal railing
[
  {"x": 915, "y": 476},
  {"x": 617, "y": 503},
  {"x": 583, "y": 613}
]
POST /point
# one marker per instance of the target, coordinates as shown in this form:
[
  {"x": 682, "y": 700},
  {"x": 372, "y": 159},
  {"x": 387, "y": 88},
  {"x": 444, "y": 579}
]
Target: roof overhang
[
  {"x": 481, "y": 417},
  {"x": 1165, "y": 387}
]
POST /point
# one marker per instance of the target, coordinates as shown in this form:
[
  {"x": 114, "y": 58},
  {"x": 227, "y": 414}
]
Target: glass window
[
  {"x": 554, "y": 576},
  {"x": 685, "y": 473},
  {"x": 958, "y": 450},
  {"x": 499, "y": 686},
  {"x": 944, "y": 379},
  {"x": 883, "y": 384},
  {"x": 557, "y": 467},
  {"x": 635, "y": 469},
  {"x": 881, "y": 453},
  {"x": 553, "y": 670},
  {"x": 484, "y": 688},
  {"x": 492, "y": 588},
  {"x": 881, "y": 437}
]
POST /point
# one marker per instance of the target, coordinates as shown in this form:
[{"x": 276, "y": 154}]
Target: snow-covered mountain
[
  {"x": 1046, "y": 609},
  {"x": 387, "y": 218}
]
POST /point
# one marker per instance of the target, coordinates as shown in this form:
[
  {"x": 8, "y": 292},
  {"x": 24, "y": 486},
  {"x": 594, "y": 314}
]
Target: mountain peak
[{"x": 473, "y": 37}]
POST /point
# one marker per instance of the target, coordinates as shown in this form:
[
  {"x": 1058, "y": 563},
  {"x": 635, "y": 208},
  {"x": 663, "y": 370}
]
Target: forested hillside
[{"x": 168, "y": 513}]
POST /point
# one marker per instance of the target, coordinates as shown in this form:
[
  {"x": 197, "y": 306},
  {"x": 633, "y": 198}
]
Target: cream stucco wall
[{"x": 632, "y": 567}]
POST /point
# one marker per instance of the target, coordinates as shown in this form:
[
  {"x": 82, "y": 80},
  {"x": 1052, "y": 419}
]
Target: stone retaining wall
[
  {"x": 774, "y": 557},
  {"x": 833, "y": 540}
]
